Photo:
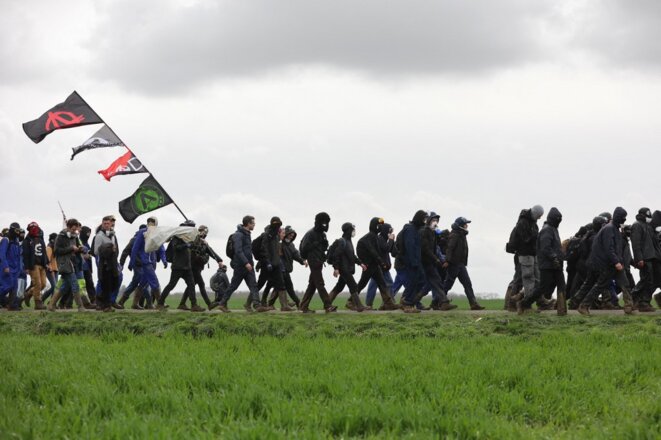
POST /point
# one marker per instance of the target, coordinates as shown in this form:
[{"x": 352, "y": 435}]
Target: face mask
[
  {"x": 353, "y": 233},
  {"x": 433, "y": 224},
  {"x": 648, "y": 220},
  {"x": 72, "y": 234}
]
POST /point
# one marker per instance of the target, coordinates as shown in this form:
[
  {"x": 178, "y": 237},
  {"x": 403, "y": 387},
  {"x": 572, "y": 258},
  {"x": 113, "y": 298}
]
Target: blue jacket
[
  {"x": 607, "y": 248},
  {"x": 138, "y": 255},
  {"x": 412, "y": 246},
  {"x": 10, "y": 256},
  {"x": 242, "y": 248}
]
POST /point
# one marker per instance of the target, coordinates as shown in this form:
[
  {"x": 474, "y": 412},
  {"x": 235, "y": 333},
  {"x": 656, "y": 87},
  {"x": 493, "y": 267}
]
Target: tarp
[{"x": 159, "y": 235}]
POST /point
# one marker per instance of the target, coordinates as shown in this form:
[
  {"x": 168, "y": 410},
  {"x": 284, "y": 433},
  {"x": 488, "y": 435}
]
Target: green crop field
[{"x": 434, "y": 375}]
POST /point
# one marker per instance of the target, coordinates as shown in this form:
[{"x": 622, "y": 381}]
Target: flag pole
[{"x": 143, "y": 164}]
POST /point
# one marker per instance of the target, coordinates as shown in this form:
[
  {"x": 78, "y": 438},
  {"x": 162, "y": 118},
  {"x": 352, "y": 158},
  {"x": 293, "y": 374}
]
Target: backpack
[
  {"x": 512, "y": 246},
  {"x": 303, "y": 248},
  {"x": 257, "y": 248},
  {"x": 229, "y": 248},
  {"x": 169, "y": 253},
  {"x": 332, "y": 250},
  {"x": 199, "y": 256},
  {"x": 399, "y": 245}
]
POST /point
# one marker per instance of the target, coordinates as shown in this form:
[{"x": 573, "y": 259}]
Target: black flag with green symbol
[{"x": 150, "y": 196}]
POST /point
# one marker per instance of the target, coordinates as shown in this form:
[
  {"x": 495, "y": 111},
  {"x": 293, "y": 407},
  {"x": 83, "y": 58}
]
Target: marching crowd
[{"x": 426, "y": 259}]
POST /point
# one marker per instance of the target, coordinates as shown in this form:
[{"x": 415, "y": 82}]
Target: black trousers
[
  {"x": 650, "y": 279},
  {"x": 289, "y": 287},
  {"x": 604, "y": 279},
  {"x": 199, "y": 281},
  {"x": 315, "y": 283},
  {"x": 89, "y": 285},
  {"x": 175, "y": 276},
  {"x": 549, "y": 280}
]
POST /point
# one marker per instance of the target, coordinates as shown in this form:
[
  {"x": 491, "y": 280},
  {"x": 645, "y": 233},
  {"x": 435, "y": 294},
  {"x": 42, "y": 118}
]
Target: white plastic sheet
[{"x": 159, "y": 235}]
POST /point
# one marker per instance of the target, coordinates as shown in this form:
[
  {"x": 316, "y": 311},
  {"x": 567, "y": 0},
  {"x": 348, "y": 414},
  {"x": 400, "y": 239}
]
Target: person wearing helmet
[
  {"x": 180, "y": 269},
  {"x": 457, "y": 261},
  {"x": 35, "y": 261}
]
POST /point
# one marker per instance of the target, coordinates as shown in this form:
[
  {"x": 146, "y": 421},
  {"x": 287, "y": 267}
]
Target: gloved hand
[{"x": 557, "y": 263}]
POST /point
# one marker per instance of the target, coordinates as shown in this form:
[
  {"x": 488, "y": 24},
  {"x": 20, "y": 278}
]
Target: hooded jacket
[
  {"x": 64, "y": 253},
  {"x": 526, "y": 232},
  {"x": 549, "y": 246},
  {"x": 457, "y": 249},
  {"x": 345, "y": 255},
  {"x": 315, "y": 244},
  {"x": 643, "y": 241},
  {"x": 181, "y": 253},
  {"x": 368, "y": 246},
  {"x": 10, "y": 256},
  {"x": 34, "y": 252},
  {"x": 290, "y": 253},
  {"x": 387, "y": 247},
  {"x": 608, "y": 245},
  {"x": 411, "y": 253}
]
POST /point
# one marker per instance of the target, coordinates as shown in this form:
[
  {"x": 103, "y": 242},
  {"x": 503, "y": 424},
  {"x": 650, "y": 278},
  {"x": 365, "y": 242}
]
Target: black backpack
[
  {"x": 332, "y": 250},
  {"x": 512, "y": 246},
  {"x": 169, "y": 253},
  {"x": 229, "y": 248},
  {"x": 257, "y": 248}
]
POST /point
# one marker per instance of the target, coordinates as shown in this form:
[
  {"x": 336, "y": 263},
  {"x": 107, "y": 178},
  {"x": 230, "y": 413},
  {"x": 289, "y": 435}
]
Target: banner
[
  {"x": 73, "y": 112},
  {"x": 103, "y": 138},
  {"x": 150, "y": 196},
  {"x": 127, "y": 164}
]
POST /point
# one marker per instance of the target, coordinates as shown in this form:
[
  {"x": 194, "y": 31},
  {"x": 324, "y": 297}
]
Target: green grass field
[{"x": 181, "y": 375}]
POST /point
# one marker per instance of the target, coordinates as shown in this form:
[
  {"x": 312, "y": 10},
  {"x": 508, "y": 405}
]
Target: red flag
[{"x": 127, "y": 164}]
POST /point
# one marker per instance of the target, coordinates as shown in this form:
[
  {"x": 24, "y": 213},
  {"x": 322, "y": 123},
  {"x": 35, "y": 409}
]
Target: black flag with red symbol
[
  {"x": 73, "y": 112},
  {"x": 127, "y": 164}
]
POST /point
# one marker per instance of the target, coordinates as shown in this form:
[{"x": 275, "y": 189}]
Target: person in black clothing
[
  {"x": 585, "y": 275},
  {"x": 387, "y": 249},
  {"x": 344, "y": 261},
  {"x": 550, "y": 260},
  {"x": 289, "y": 255},
  {"x": 181, "y": 269},
  {"x": 523, "y": 242},
  {"x": 572, "y": 249},
  {"x": 646, "y": 258},
  {"x": 35, "y": 261},
  {"x": 313, "y": 248},
  {"x": 243, "y": 265},
  {"x": 220, "y": 284},
  {"x": 456, "y": 256},
  {"x": 108, "y": 276},
  {"x": 607, "y": 257},
  {"x": 431, "y": 263},
  {"x": 200, "y": 254},
  {"x": 88, "y": 267},
  {"x": 272, "y": 261}
]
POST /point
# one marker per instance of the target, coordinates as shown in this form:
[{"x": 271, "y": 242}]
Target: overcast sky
[{"x": 359, "y": 108}]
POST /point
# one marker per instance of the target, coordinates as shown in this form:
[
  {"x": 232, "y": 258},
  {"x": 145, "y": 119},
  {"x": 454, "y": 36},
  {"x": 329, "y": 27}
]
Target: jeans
[
  {"x": 241, "y": 274},
  {"x": 371, "y": 287}
]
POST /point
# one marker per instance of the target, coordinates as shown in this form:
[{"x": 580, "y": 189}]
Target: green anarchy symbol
[{"x": 148, "y": 198}]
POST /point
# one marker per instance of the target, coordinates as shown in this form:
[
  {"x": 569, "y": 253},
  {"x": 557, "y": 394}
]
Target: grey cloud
[{"x": 163, "y": 47}]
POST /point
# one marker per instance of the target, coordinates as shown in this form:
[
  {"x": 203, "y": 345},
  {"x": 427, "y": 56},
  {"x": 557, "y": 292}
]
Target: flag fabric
[
  {"x": 103, "y": 138},
  {"x": 127, "y": 164},
  {"x": 150, "y": 196},
  {"x": 73, "y": 112},
  {"x": 157, "y": 236}
]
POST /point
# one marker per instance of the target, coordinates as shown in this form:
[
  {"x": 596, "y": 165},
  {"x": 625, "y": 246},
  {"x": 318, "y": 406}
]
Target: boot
[
  {"x": 123, "y": 299},
  {"x": 332, "y": 295},
  {"x": 522, "y": 308},
  {"x": 155, "y": 295},
  {"x": 645, "y": 308},
  {"x": 350, "y": 304},
  {"x": 261, "y": 309},
  {"x": 447, "y": 306},
  {"x": 508, "y": 295},
  {"x": 26, "y": 299},
  {"x": 561, "y": 304},
  {"x": 39, "y": 305},
  {"x": 410, "y": 309},
  {"x": 86, "y": 302},
  {"x": 388, "y": 303},
  {"x": 79, "y": 302},
  {"x": 136, "y": 299},
  {"x": 195, "y": 308},
  {"x": 355, "y": 301},
  {"x": 284, "y": 305},
  {"x": 584, "y": 310},
  {"x": 53, "y": 302},
  {"x": 476, "y": 306},
  {"x": 149, "y": 303}
]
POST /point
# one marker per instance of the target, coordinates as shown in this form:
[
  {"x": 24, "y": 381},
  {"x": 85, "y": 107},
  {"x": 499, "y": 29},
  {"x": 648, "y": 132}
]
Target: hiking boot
[
  {"x": 476, "y": 306},
  {"x": 447, "y": 306},
  {"x": 270, "y": 308},
  {"x": 522, "y": 309},
  {"x": 39, "y": 305},
  {"x": 331, "y": 309},
  {"x": 196, "y": 308},
  {"x": 117, "y": 306},
  {"x": 183, "y": 307},
  {"x": 286, "y": 308},
  {"x": 584, "y": 310},
  {"x": 223, "y": 308},
  {"x": 108, "y": 310},
  {"x": 138, "y": 307},
  {"x": 410, "y": 309},
  {"x": 214, "y": 305},
  {"x": 308, "y": 311},
  {"x": 628, "y": 310},
  {"x": 645, "y": 308},
  {"x": 261, "y": 309}
]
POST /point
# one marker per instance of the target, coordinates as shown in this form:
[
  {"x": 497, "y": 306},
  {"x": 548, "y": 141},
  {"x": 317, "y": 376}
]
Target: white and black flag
[{"x": 103, "y": 138}]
